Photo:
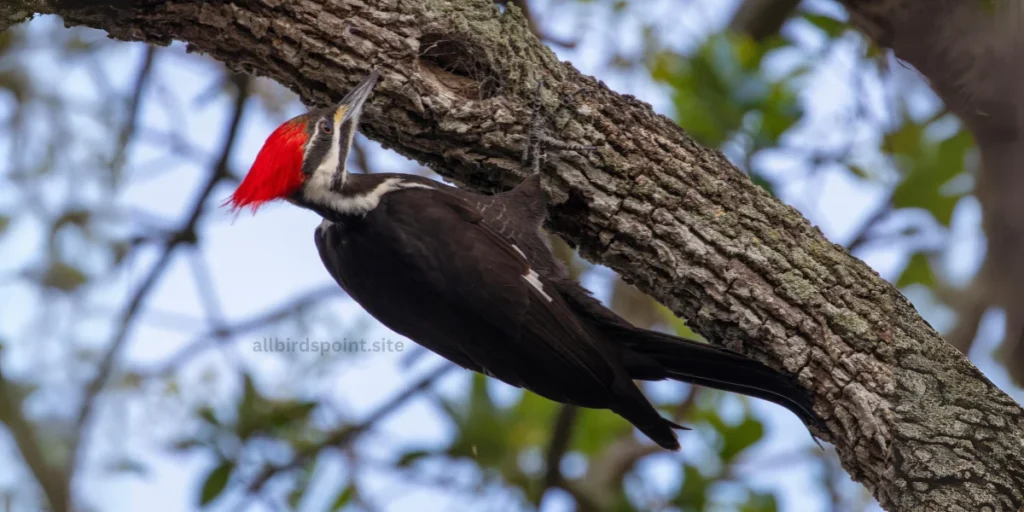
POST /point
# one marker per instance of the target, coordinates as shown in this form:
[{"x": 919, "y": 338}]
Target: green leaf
[
  {"x": 953, "y": 151},
  {"x": 530, "y": 421},
  {"x": 64, "y": 277},
  {"x": 297, "y": 493},
  {"x": 737, "y": 438},
  {"x": 250, "y": 397},
  {"x": 129, "y": 380},
  {"x": 483, "y": 428},
  {"x": 860, "y": 172},
  {"x": 917, "y": 271},
  {"x": 73, "y": 217},
  {"x": 760, "y": 181},
  {"x": 942, "y": 208},
  {"x": 207, "y": 414},
  {"x": 344, "y": 496},
  {"x": 295, "y": 497},
  {"x": 126, "y": 465},
  {"x": 184, "y": 445},
  {"x": 832, "y": 27},
  {"x": 874, "y": 51},
  {"x": 408, "y": 458},
  {"x": 596, "y": 429},
  {"x": 927, "y": 167},
  {"x": 693, "y": 495},
  {"x": 290, "y": 413},
  {"x": 760, "y": 502},
  {"x": 905, "y": 141},
  {"x": 216, "y": 482},
  {"x": 721, "y": 91},
  {"x": 5, "y": 222}
]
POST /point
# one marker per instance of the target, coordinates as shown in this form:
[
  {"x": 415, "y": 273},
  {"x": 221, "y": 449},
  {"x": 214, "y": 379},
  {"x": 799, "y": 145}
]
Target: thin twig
[
  {"x": 347, "y": 434},
  {"x": 204, "y": 282},
  {"x": 223, "y": 332},
  {"x": 127, "y": 132},
  {"x": 524, "y": 6},
  {"x": 761, "y": 19},
  {"x": 864, "y": 233},
  {"x": 561, "y": 435}
]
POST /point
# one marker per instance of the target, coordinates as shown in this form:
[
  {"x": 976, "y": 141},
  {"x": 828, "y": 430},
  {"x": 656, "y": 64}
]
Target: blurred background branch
[
  {"x": 49, "y": 476},
  {"x": 186, "y": 235},
  {"x": 761, "y": 19}
]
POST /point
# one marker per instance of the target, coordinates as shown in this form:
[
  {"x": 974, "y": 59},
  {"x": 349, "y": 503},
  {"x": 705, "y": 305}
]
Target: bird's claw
[{"x": 537, "y": 142}]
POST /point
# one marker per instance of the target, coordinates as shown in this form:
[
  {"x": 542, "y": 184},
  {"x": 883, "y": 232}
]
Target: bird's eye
[{"x": 326, "y": 126}]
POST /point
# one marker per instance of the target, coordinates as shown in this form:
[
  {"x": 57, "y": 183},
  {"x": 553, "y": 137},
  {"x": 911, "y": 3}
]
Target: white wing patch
[
  {"x": 534, "y": 279},
  {"x": 324, "y": 224}
]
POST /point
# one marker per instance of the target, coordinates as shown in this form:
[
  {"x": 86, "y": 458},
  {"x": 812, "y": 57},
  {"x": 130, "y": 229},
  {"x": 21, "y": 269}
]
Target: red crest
[{"x": 277, "y": 171}]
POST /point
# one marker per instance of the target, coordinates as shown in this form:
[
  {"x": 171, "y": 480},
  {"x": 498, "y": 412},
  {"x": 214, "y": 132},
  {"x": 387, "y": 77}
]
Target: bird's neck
[{"x": 359, "y": 194}]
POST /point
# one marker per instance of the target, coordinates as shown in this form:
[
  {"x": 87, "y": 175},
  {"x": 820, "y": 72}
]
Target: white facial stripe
[
  {"x": 351, "y": 135},
  {"x": 316, "y": 133},
  {"x": 323, "y": 174},
  {"x": 534, "y": 279},
  {"x": 362, "y": 204}
]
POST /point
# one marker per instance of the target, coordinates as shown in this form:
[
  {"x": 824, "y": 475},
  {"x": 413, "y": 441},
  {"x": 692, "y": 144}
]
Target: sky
[{"x": 256, "y": 262}]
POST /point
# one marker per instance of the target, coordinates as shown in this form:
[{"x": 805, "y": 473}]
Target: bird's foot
[{"x": 538, "y": 142}]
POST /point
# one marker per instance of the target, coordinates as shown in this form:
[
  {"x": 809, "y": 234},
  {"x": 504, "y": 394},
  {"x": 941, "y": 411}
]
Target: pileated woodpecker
[{"x": 471, "y": 277}]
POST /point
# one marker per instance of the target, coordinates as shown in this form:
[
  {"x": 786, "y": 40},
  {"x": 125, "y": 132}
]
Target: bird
[{"x": 472, "y": 278}]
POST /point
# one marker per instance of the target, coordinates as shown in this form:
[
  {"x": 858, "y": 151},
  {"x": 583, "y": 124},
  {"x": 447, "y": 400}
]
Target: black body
[{"x": 449, "y": 269}]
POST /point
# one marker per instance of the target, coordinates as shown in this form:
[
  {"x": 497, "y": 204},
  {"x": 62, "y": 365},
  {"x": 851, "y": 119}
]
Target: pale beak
[{"x": 351, "y": 105}]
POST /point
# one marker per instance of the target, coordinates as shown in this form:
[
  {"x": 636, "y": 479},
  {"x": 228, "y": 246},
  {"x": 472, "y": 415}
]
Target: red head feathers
[{"x": 277, "y": 171}]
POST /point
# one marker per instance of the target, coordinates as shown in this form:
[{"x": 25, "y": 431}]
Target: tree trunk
[{"x": 911, "y": 418}]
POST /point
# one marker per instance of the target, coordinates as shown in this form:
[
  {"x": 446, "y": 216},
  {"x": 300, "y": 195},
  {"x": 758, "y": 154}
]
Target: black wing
[
  {"x": 518, "y": 215},
  {"x": 466, "y": 292}
]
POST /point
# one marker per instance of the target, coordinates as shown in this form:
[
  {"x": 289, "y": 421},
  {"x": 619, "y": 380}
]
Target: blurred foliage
[
  {"x": 720, "y": 93},
  {"x": 723, "y": 94},
  {"x": 278, "y": 436}
]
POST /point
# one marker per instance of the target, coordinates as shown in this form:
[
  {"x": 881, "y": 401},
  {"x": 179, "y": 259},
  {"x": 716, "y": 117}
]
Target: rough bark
[{"x": 911, "y": 418}]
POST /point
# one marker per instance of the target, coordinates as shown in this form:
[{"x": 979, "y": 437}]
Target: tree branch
[
  {"x": 910, "y": 417},
  {"x": 761, "y": 19},
  {"x": 12, "y": 13},
  {"x": 185, "y": 235},
  {"x": 128, "y": 131},
  {"x": 345, "y": 435},
  {"x": 225, "y": 332},
  {"x": 561, "y": 436}
]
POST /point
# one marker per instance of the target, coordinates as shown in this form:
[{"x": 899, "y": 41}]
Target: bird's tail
[
  {"x": 634, "y": 406},
  {"x": 657, "y": 356}
]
